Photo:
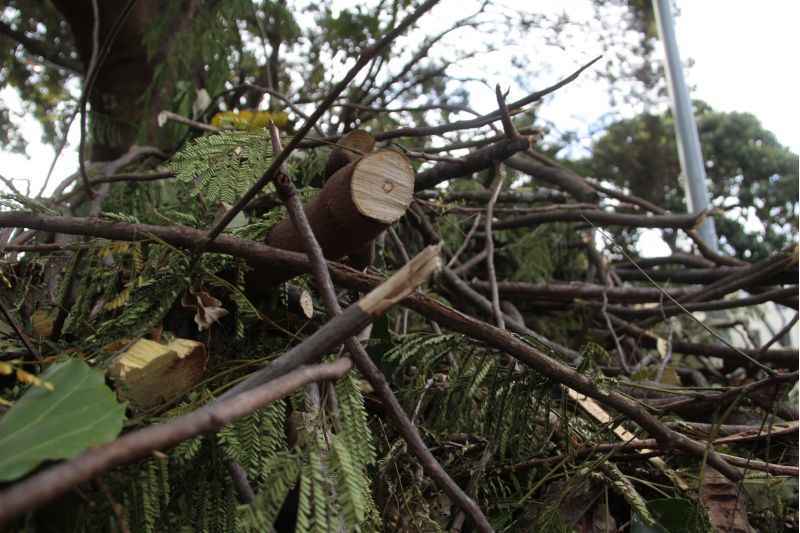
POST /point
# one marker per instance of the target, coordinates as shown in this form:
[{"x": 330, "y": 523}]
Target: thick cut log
[{"x": 356, "y": 204}]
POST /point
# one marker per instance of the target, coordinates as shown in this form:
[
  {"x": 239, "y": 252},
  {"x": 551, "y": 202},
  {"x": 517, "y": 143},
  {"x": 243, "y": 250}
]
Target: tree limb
[{"x": 50, "y": 483}]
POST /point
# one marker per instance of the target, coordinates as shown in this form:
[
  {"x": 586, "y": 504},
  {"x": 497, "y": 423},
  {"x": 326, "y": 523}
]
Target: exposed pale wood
[
  {"x": 149, "y": 373},
  {"x": 355, "y": 206},
  {"x": 596, "y": 411},
  {"x": 42, "y": 321},
  {"x": 383, "y": 186},
  {"x": 403, "y": 282},
  {"x": 351, "y": 147},
  {"x": 300, "y": 301}
]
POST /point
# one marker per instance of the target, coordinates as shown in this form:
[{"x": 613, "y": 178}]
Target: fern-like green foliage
[
  {"x": 456, "y": 388},
  {"x": 334, "y": 487},
  {"x": 146, "y": 306},
  {"x": 283, "y": 473},
  {"x": 224, "y": 165},
  {"x": 254, "y": 441},
  {"x": 190, "y": 488}
]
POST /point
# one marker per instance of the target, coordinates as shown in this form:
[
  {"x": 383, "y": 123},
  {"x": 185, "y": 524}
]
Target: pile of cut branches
[{"x": 258, "y": 307}]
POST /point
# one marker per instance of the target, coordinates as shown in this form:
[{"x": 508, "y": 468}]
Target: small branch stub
[
  {"x": 350, "y": 148},
  {"x": 300, "y": 301}
]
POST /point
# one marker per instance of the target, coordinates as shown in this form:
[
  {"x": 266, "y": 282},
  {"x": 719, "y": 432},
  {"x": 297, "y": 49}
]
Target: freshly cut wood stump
[
  {"x": 350, "y": 148},
  {"x": 356, "y": 204}
]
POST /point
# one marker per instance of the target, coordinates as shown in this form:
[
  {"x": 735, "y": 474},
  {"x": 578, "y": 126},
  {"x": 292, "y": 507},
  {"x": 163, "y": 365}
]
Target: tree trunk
[{"x": 119, "y": 116}]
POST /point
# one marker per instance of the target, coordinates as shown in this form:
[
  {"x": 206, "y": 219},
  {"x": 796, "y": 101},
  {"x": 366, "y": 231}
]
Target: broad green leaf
[{"x": 80, "y": 412}]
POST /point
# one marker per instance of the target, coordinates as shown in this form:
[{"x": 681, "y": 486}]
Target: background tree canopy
[
  {"x": 249, "y": 170},
  {"x": 751, "y": 176}
]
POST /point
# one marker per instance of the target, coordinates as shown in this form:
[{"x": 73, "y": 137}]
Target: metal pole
[{"x": 691, "y": 157}]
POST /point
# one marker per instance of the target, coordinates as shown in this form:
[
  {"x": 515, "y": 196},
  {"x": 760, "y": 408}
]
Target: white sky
[
  {"x": 746, "y": 59},
  {"x": 744, "y": 54}
]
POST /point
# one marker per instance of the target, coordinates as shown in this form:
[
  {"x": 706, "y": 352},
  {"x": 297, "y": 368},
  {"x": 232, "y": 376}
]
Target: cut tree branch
[
  {"x": 356, "y": 204},
  {"x": 422, "y": 265},
  {"x": 602, "y": 218},
  {"x": 476, "y": 161},
  {"x": 577, "y": 290},
  {"x": 366, "y": 56},
  {"x": 554, "y": 176},
  {"x": 47, "y": 485},
  {"x": 352, "y": 279}
]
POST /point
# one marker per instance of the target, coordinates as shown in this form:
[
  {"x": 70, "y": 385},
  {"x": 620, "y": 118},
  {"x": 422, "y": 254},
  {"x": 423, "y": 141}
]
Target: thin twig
[
  {"x": 497, "y": 184},
  {"x": 91, "y": 78},
  {"x": 116, "y": 507},
  {"x": 54, "y": 481},
  {"x": 778, "y": 336},
  {"x": 85, "y": 96},
  {"x": 406, "y": 258},
  {"x": 716, "y": 335},
  {"x": 620, "y": 352},
  {"x": 464, "y": 244},
  {"x": 59, "y": 150},
  {"x": 164, "y": 116},
  {"x": 362, "y": 360},
  {"x": 279, "y": 159},
  {"x": 398, "y": 244},
  {"x": 667, "y": 356},
  {"x": 18, "y": 331}
]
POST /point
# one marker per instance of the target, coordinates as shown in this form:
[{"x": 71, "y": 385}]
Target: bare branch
[
  {"x": 366, "y": 55},
  {"x": 49, "y": 484}
]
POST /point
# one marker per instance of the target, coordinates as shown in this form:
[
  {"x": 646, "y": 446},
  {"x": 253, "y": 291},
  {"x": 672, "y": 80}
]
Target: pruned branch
[
  {"x": 389, "y": 293},
  {"x": 55, "y": 481},
  {"x": 366, "y": 56}
]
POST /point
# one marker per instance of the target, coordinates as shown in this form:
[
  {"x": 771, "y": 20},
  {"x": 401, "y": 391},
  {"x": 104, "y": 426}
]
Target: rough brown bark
[
  {"x": 476, "y": 161},
  {"x": 553, "y": 175},
  {"x": 575, "y": 290},
  {"x": 123, "y": 98},
  {"x": 356, "y": 204},
  {"x": 124, "y": 77},
  {"x": 602, "y": 218}
]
